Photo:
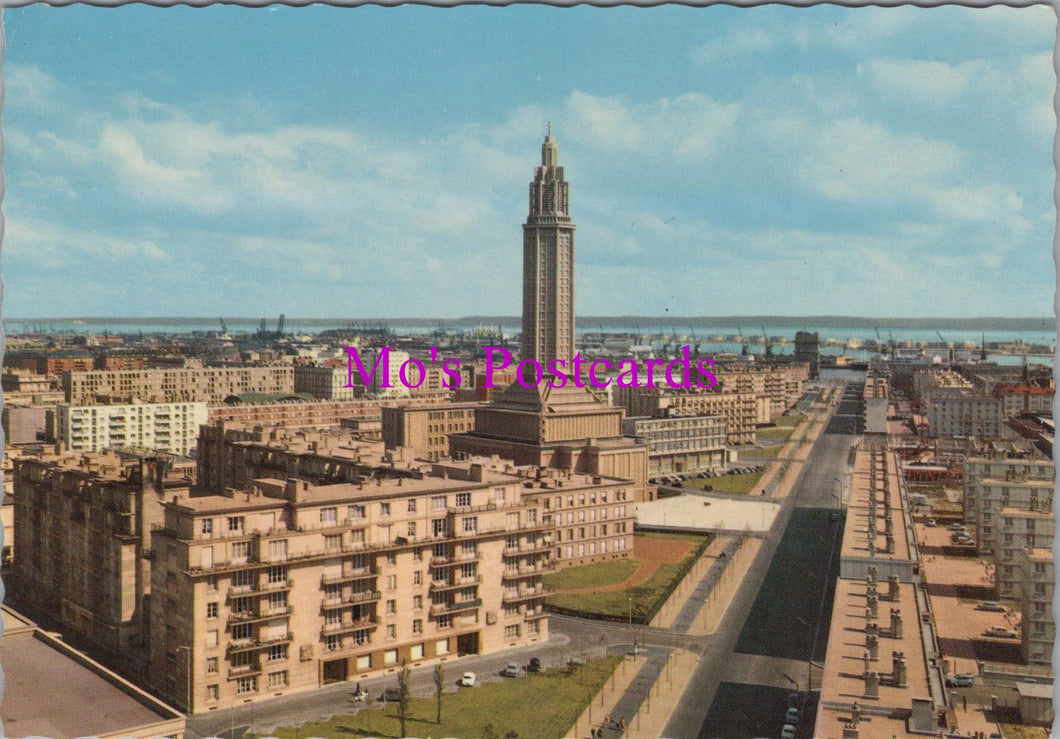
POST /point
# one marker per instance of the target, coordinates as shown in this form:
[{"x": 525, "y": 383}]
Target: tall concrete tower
[{"x": 548, "y": 264}]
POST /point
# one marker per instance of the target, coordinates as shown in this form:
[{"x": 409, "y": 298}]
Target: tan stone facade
[
  {"x": 426, "y": 430},
  {"x": 210, "y": 384},
  {"x": 289, "y": 586},
  {"x": 81, "y": 525},
  {"x": 740, "y": 410}
]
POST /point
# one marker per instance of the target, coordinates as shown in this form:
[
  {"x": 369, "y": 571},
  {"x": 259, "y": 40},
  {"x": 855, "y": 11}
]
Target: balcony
[
  {"x": 524, "y": 572},
  {"x": 236, "y": 672},
  {"x": 528, "y": 594},
  {"x": 441, "y": 609},
  {"x": 367, "y": 596},
  {"x": 332, "y": 629},
  {"x": 535, "y": 548},
  {"x": 244, "y": 645},
  {"x": 440, "y": 585},
  {"x": 250, "y": 617},
  {"x": 360, "y": 574},
  {"x": 458, "y": 558}
]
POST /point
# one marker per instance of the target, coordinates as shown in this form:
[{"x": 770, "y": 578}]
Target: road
[{"x": 726, "y": 676}]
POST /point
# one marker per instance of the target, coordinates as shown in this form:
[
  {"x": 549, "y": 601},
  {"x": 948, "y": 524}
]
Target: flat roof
[
  {"x": 49, "y": 693},
  {"x": 705, "y": 513}
]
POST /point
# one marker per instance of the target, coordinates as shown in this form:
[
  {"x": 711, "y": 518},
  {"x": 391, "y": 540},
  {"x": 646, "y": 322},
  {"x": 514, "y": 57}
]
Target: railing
[
  {"x": 439, "y": 609},
  {"x": 359, "y": 574},
  {"x": 525, "y": 595},
  {"x": 367, "y": 596},
  {"x": 242, "y": 645},
  {"x": 251, "y": 617},
  {"x": 332, "y": 629},
  {"x": 437, "y": 585}
]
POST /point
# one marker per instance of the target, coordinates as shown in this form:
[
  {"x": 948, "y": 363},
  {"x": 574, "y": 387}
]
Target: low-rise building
[{"x": 681, "y": 444}]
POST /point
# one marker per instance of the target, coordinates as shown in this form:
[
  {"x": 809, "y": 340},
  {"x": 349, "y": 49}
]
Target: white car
[
  {"x": 788, "y": 732},
  {"x": 468, "y": 680}
]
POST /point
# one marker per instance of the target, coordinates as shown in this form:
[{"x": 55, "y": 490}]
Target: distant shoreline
[{"x": 632, "y": 323}]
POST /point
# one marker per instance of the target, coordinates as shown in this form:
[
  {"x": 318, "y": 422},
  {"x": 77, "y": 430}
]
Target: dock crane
[
  {"x": 279, "y": 325},
  {"x": 891, "y": 337},
  {"x": 743, "y": 351},
  {"x": 769, "y": 347},
  {"x": 879, "y": 341},
  {"x": 224, "y": 327}
]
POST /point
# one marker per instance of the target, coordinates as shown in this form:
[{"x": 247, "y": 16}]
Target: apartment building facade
[
  {"x": 426, "y": 430},
  {"x": 1035, "y": 574},
  {"x": 291, "y": 585},
  {"x": 165, "y": 427},
  {"x": 681, "y": 443},
  {"x": 739, "y": 409},
  {"x": 172, "y": 385},
  {"x": 82, "y": 526},
  {"x": 1008, "y": 492}
]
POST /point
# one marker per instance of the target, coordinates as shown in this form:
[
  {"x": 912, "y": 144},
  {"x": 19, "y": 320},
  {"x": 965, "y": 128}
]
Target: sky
[{"x": 374, "y": 162}]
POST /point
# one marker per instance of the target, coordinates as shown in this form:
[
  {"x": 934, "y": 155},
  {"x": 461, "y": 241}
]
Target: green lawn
[
  {"x": 730, "y": 483},
  {"x": 645, "y": 599},
  {"x": 541, "y": 706},
  {"x": 587, "y": 576},
  {"x": 779, "y": 432},
  {"x": 793, "y": 420}
]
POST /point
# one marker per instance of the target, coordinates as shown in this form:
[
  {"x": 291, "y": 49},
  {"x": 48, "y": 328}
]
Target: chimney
[
  {"x": 896, "y": 624},
  {"x": 873, "y": 606},
  {"x": 872, "y": 643},
  {"x": 872, "y": 685},
  {"x": 898, "y": 669},
  {"x": 892, "y": 583}
]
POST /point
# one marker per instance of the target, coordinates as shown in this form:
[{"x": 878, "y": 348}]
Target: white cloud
[{"x": 923, "y": 81}]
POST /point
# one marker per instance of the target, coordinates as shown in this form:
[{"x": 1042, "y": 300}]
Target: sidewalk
[
  {"x": 714, "y": 608},
  {"x": 604, "y": 703},
  {"x": 665, "y": 617}
]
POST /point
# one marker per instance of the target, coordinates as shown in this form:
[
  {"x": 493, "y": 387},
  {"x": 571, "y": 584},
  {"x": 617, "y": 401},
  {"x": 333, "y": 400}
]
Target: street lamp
[
  {"x": 187, "y": 678},
  {"x": 630, "y": 599}
]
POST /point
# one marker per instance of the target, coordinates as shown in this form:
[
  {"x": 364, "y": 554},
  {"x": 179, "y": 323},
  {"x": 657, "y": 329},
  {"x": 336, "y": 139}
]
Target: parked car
[
  {"x": 788, "y": 732},
  {"x": 961, "y": 680},
  {"x": 535, "y": 665},
  {"x": 931, "y": 523},
  {"x": 390, "y": 695},
  {"x": 990, "y": 605},
  {"x": 512, "y": 670},
  {"x": 957, "y": 527},
  {"x": 468, "y": 680},
  {"x": 793, "y": 716},
  {"x": 1001, "y": 632}
]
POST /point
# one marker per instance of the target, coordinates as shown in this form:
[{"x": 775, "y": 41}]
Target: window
[
  {"x": 332, "y": 593},
  {"x": 417, "y": 578},
  {"x": 470, "y": 524},
  {"x": 498, "y": 495},
  {"x": 207, "y": 526},
  {"x": 211, "y": 610},
  {"x": 438, "y": 526},
  {"x": 391, "y": 558},
  {"x": 211, "y": 638},
  {"x": 211, "y": 665},
  {"x": 511, "y": 632},
  {"x": 277, "y": 574},
  {"x": 212, "y": 583},
  {"x": 384, "y": 509},
  {"x": 278, "y": 549},
  {"x": 412, "y": 505},
  {"x": 438, "y": 502},
  {"x": 417, "y": 626},
  {"x": 235, "y": 524},
  {"x": 278, "y": 601},
  {"x": 240, "y": 551},
  {"x": 411, "y": 529},
  {"x": 391, "y": 633},
  {"x": 277, "y": 652},
  {"x": 356, "y": 512},
  {"x": 417, "y": 554},
  {"x": 211, "y": 692},
  {"x": 444, "y": 622},
  {"x": 463, "y": 500},
  {"x": 329, "y": 516},
  {"x": 391, "y": 582},
  {"x": 241, "y": 632},
  {"x": 278, "y": 679},
  {"x": 333, "y": 643},
  {"x": 333, "y": 542},
  {"x": 391, "y": 607},
  {"x": 333, "y": 618},
  {"x": 242, "y": 579},
  {"x": 246, "y": 685}
]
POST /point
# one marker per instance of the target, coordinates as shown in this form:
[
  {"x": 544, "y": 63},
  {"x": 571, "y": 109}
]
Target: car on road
[
  {"x": 990, "y": 605},
  {"x": 512, "y": 670},
  {"x": 468, "y": 680},
  {"x": 957, "y": 527},
  {"x": 390, "y": 695},
  {"x": 535, "y": 665},
  {"x": 961, "y": 680},
  {"x": 788, "y": 732},
  {"x": 1001, "y": 632},
  {"x": 931, "y": 523}
]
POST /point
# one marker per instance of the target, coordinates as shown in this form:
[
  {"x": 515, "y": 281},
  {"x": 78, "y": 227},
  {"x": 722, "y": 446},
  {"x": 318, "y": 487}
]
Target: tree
[
  {"x": 488, "y": 732},
  {"x": 439, "y": 683},
  {"x": 404, "y": 695}
]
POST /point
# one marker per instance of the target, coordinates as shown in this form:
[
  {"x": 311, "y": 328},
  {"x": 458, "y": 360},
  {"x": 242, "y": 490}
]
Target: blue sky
[{"x": 374, "y": 162}]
